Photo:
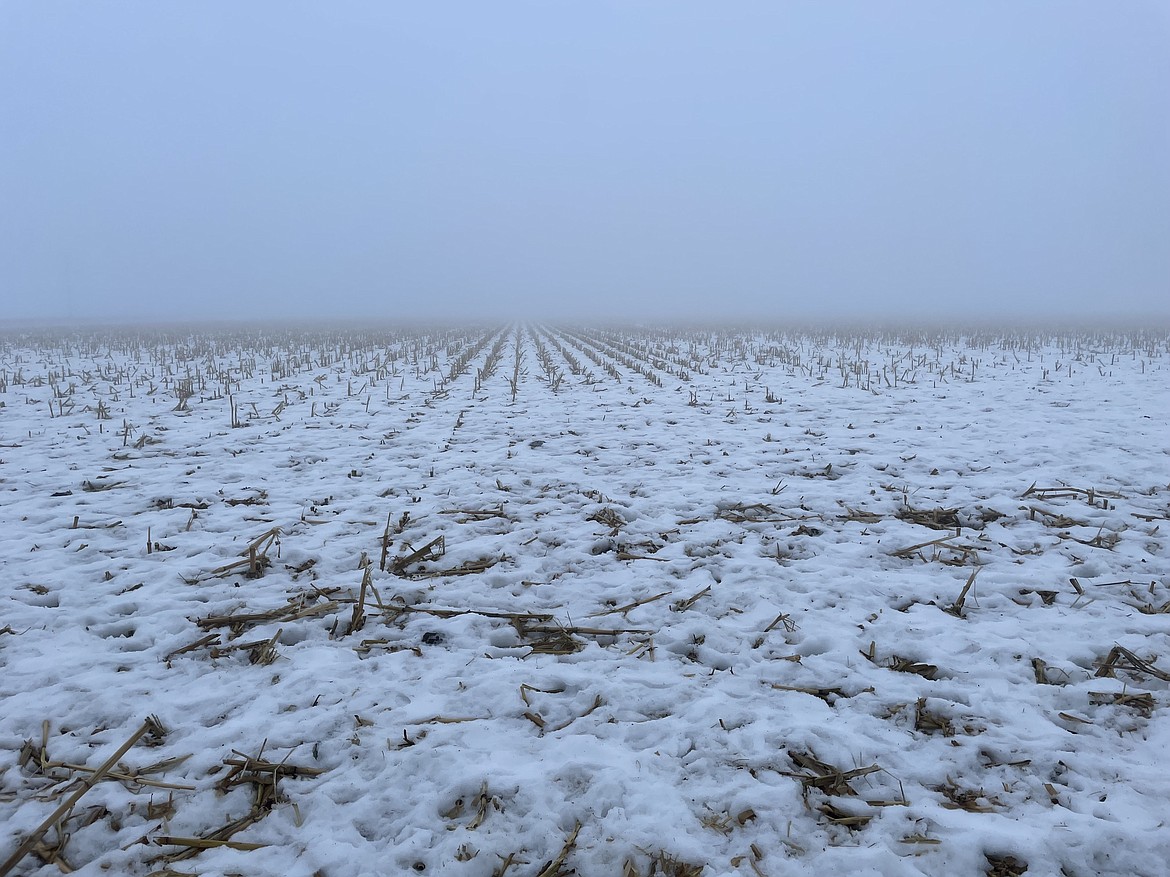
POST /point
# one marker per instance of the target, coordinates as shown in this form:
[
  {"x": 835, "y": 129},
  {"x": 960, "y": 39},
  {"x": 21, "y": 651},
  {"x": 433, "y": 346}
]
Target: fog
[{"x": 620, "y": 160}]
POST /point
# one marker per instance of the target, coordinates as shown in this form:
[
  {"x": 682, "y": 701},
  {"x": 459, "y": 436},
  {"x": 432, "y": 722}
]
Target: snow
[{"x": 664, "y": 600}]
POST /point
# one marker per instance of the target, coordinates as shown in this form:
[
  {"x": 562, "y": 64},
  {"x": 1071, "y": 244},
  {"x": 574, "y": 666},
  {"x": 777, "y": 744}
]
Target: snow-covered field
[{"x": 532, "y": 601}]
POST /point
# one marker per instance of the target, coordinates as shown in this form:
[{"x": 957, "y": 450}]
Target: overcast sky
[{"x": 646, "y": 160}]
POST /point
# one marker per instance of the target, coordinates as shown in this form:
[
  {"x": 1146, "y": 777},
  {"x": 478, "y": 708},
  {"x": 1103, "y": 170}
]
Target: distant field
[{"x": 534, "y": 600}]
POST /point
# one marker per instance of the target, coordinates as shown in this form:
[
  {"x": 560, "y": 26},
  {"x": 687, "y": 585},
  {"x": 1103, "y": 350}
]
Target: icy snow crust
[{"x": 675, "y": 622}]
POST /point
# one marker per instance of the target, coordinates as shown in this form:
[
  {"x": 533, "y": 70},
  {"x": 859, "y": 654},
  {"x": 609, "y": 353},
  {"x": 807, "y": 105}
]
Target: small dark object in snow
[
  {"x": 1004, "y": 866},
  {"x": 433, "y": 638}
]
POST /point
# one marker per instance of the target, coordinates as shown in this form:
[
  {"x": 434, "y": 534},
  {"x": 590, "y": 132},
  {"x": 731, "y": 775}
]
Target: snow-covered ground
[{"x": 700, "y": 603}]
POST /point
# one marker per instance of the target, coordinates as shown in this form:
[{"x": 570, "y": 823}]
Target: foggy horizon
[{"x": 650, "y": 162}]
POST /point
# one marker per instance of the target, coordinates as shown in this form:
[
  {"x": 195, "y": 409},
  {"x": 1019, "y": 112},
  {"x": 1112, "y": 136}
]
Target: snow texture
[{"x": 700, "y": 600}]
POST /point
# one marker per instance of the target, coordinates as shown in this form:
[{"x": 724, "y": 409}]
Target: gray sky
[{"x": 663, "y": 160}]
